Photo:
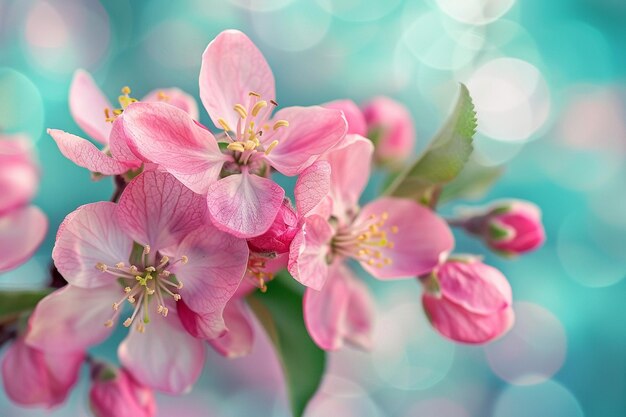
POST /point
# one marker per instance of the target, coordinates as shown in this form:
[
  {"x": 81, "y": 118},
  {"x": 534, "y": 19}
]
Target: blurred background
[{"x": 547, "y": 79}]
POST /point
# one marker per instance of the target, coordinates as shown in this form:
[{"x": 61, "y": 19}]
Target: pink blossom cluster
[{"x": 200, "y": 223}]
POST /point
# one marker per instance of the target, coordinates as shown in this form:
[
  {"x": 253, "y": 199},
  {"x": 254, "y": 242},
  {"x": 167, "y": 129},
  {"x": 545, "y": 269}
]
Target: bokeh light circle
[
  {"x": 21, "y": 105},
  {"x": 260, "y": 5},
  {"x": 476, "y": 12},
  {"x": 533, "y": 350},
  {"x": 359, "y": 10},
  {"x": 511, "y": 97},
  {"x": 437, "y": 407},
  {"x": 163, "y": 45},
  {"x": 342, "y": 397},
  {"x": 549, "y": 399}
]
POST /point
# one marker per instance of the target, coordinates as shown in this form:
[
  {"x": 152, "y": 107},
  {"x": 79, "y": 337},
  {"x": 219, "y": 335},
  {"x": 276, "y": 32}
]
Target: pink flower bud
[
  {"x": 353, "y": 115},
  {"x": 468, "y": 301},
  {"x": 114, "y": 393},
  {"x": 280, "y": 234},
  {"x": 391, "y": 128},
  {"x": 510, "y": 227},
  {"x": 33, "y": 377},
  {"x": 19, "y": 174}
]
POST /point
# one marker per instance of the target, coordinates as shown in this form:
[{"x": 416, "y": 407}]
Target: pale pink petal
[
  {"x": 165, "y": 357},
  {"x": 33, "y": 377},
  {"x": 456, "y": 323},
  {"x": 341, "y": 311},
  {"x": 157, "y": 210},
  {"x": 84, "y": 154},
  {"x": 353, "y": 115},
  {"x": 312, "y": 132},
  {"x": 72, "y": 319},
  {"x": 244, "y": 205},
  {"x": 168, "y": 136},
  {"x": 175, "y": 97},
  {"x": 87, "y": 104},
  {"x": 19, "y": 175},
  {"x": 419, "y": 238},
  {"x": 238, "y": 340},
  {"x": 21, "y": 233},
  {"x": 206, "y": 327},
  {"x": 88, "y": 236},
  {"x": 121, "y": 148},
  {"x": 350, "y": 171},
  {"x": 232, "y": 67},
  {"x": 475, "y": 286},
  {"x": 312, "y": 186},
  {"x": 308, "y": 251}
]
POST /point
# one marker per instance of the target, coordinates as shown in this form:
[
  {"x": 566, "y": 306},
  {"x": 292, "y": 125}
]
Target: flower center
[
  {"x": 363, "y": 240},
  {"x": 142, "y": 285},
  {"x": 256, "y": 272},
  {"x": 125, "y": 100},
  {"x": 253, "y": 132}
]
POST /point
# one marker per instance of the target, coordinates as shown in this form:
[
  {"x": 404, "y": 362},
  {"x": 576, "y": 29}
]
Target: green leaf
[
  {"x": 280, "y": 312},
  {"x": 444, "y": 158},
  {"x": 13, "y": 303},
  {"x": 472, "y": 183}
]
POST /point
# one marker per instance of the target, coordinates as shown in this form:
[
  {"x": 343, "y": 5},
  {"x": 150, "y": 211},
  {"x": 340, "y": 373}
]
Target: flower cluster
[{"x": 199, "y": 223}]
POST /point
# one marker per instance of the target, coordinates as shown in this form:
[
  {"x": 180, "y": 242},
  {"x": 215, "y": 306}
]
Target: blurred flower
[
  {"x": 390, "y": 127},
  {"x": 353, "y": 115},
  {"x": 161, "y": 227},
  {"x": 468, "y": 301},
  {"x": 34, "y": 377},
  {"x": 237, "y": 89},
  {"x": 114, "y": 393}
]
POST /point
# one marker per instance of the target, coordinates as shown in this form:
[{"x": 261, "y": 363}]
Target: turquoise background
[{"x": 548, "y": 78}]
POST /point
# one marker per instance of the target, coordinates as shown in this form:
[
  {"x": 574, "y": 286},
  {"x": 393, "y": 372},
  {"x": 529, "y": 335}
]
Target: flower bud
[
  {"x": 510, "y": 227},
  {"x": 352, "y": 113},
  {"x": 280, "y": 234},
  {"x": 33, "y": 377},
  {"x": 468, "y": 301},
  {"x": 391, "y": 128},
  {"x": 114, "y": 393},
  {"x": 19, "y": 174}
]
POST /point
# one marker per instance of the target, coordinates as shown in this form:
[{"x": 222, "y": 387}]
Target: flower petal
[
  {"x": 207, "y": 327},
  {"x": 177, "y": 98},
  {"x": 157, "y": 210},
  {"x": 308, "y": 251},
  {"x": 244, "y": 205},
  {"x": 121, "y": 148},
  {"x": 84, "y": 154},
  {"x": 420, "y": 240},
  {"x": 168, "y": 136},
  {"x": 312, "y": 131},
  {"x": 341, "y": 311},
  {"x": 312, "y": 186},
  {"x": 87, "y": 104},
  {"x": 19, "y": 175},
  {"x": 72, "y": 319},
  {"x": 353, "y": 115},
  {"x": 88, "y": 236},
  {"x": 21, "y": 233},
  {"x": 165, "y": 357},
  {"x": 232, "y": 67},
  {"x": 238, "y": 340}
]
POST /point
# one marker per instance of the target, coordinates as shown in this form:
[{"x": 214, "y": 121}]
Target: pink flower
[
  {"x": 94, "y": 114},
  {"x": 34, "y": 377},
  {"x": 353, "y": 115},
  {"x": 468, "y": 301},
  {"x": 237, "y": 89},
  {"x": 114, "y": 393},
  {"x": 22, "y": 227},
  {"x": 390, "y": 126},
  {"x": 390, "y": 237},
  {"x": 141, "y": 251}
]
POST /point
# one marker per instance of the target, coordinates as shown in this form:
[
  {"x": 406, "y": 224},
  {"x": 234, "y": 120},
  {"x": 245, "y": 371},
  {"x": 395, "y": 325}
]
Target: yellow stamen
[
  {"x": 235, "y": 146},
  {"x": 224, "y": 125},
  {"x": 258, "y": 106},
  {"x": 270, "y": 147},
  {"x": 252, "y": 93},
  {"x": 280, "y": 123},
  {"x": 241, "y": 110}
]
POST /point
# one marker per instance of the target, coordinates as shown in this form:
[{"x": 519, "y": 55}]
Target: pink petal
[
  {"x": 312, "y": 131},
  {"x": 121, "y": 148},
  {"x": 244, "y": 205},
  {"x": 87, "y": 104},
  {"x": 157, "y": 210},
  {"x": 460, "y": 325},
  {"x": 19, "y": 175},
  {"x": 341, "y": 311},
  {"x": 308, "y": 251},
  {"x": 238, "y": 340},
  {"x": 350, "y": 171},
  {"x": 312, "y": 186},
  {"x": 177, "y": 98},
  {"x": 165, "y": 357},
  {"x": 84, "y": 154},
  {"x": 232, "y": 67},
  {"x": 353, "y": 115},
  {"x": 21, "y": 233},
  {"x": 88, "y": 236},
  {"x": 207, "y": 327},
  {"x": 168, "y": 136},
  {"x": 72, "y": 319},
  {"x": 421, "y": 240},
  {"x": 34, "y": 377}
]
